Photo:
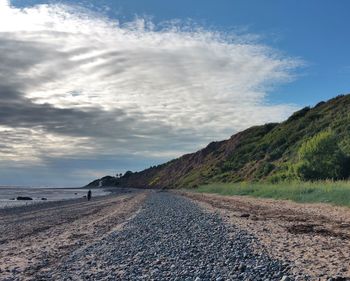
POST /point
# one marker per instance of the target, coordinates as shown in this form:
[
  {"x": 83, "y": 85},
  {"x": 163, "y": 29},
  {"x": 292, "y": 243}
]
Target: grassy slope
[
  {"x": 336, "y": 193},
  {"x": 257, "y": 154}
]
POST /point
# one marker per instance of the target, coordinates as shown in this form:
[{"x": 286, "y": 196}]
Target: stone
[
  {"x": 244, "y": 215},
  {"x": 24, "y": 198}
]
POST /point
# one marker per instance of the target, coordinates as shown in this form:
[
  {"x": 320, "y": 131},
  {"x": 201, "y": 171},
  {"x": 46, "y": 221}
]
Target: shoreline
[{"x": 39, "y": 196}]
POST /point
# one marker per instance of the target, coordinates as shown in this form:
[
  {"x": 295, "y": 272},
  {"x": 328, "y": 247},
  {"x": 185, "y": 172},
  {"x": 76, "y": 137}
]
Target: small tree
[
  {"x": 320, "y": 158},
  {"x": 128, "y": 174}
]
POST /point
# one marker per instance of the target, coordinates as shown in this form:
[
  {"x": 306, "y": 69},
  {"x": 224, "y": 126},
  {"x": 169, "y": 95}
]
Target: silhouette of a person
[{"x": 89, "y": 195}]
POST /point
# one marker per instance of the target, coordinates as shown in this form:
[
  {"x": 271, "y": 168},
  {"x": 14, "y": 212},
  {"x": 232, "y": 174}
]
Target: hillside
[{"x": 311, "y": 144}]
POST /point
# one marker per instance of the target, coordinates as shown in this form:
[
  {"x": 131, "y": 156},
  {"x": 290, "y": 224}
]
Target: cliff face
[{"x": 258, "y": 153}]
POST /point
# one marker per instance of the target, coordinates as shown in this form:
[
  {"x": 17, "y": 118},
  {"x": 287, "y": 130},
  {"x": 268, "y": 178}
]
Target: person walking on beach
[{"x": 89, "y": 195}]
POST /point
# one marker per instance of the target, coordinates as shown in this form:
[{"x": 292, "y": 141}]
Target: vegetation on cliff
[{"x": 313, "y": 144}]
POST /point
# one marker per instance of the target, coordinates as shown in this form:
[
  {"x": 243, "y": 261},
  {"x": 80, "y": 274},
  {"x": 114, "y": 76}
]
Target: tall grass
[{"x": 336, "y": 193}]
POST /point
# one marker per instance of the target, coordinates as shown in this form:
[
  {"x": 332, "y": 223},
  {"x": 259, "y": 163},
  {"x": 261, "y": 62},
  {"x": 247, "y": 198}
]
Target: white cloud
[
  {"x": 25, "y": 147},
  {"x": 165, "y": 91}
]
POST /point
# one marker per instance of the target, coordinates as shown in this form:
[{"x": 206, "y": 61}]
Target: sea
[{"x": 8, "y": 195}]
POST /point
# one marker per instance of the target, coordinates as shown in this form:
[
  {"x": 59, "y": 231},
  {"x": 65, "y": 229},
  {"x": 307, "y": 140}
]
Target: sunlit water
[{"x": 8, "y": 195}]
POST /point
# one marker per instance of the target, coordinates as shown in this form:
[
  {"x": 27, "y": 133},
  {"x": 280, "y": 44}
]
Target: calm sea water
[{"x": 9, "y": 194}]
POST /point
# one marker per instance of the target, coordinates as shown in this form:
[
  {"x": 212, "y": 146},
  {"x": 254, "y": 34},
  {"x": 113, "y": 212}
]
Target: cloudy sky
[{"x": 101, "y": 87}]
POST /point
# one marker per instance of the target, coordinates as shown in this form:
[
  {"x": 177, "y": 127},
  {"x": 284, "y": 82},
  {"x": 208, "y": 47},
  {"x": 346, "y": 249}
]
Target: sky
[{"x": 90, "y": 88}]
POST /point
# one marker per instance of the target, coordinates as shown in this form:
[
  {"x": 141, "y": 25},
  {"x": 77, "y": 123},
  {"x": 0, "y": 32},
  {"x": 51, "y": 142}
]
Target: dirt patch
[
  {"x": 314, "y": 237},
  {"x": 315, "y": 229}
]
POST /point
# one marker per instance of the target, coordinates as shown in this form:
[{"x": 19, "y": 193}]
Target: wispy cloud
[{"x": 75, "y": 83}]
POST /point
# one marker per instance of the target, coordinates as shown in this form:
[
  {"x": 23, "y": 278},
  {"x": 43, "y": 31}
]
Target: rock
[
  {"x": 285, "y": 278},
  {"x": 245, "y": 215},
  {"x": 24, "y": 198},
  {"x": 242, "y": 267}
]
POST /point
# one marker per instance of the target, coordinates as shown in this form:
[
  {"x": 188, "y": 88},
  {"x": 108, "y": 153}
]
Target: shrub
[
  {"x": 299, "y": 114},
  {"x": 264, "y": 170},
  {"x": 320, "y": 158}
]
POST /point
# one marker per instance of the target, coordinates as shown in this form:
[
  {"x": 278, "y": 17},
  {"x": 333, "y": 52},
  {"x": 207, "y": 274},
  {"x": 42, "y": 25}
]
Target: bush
[
  {"x": 264, "y": 170},
  {"x": 320, "y": 158},
  {"x": 299, "y": 114}
]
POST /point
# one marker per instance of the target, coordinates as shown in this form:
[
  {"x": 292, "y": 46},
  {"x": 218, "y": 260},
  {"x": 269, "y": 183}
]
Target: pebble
[{"x": 172, "y": 238}]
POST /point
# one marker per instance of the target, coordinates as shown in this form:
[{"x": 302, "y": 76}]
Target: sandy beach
[
  {"x": 313, "y": 237},
  {"x": 37, "y": 238},
  {"x": 156, "y": 235}
]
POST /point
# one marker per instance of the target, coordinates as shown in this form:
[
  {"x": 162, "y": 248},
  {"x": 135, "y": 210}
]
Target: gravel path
[{"x": 171, "y": 238}]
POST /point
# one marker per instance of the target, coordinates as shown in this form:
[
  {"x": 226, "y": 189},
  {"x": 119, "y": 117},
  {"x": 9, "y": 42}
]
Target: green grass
[{"x": 336, "y": 193}]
